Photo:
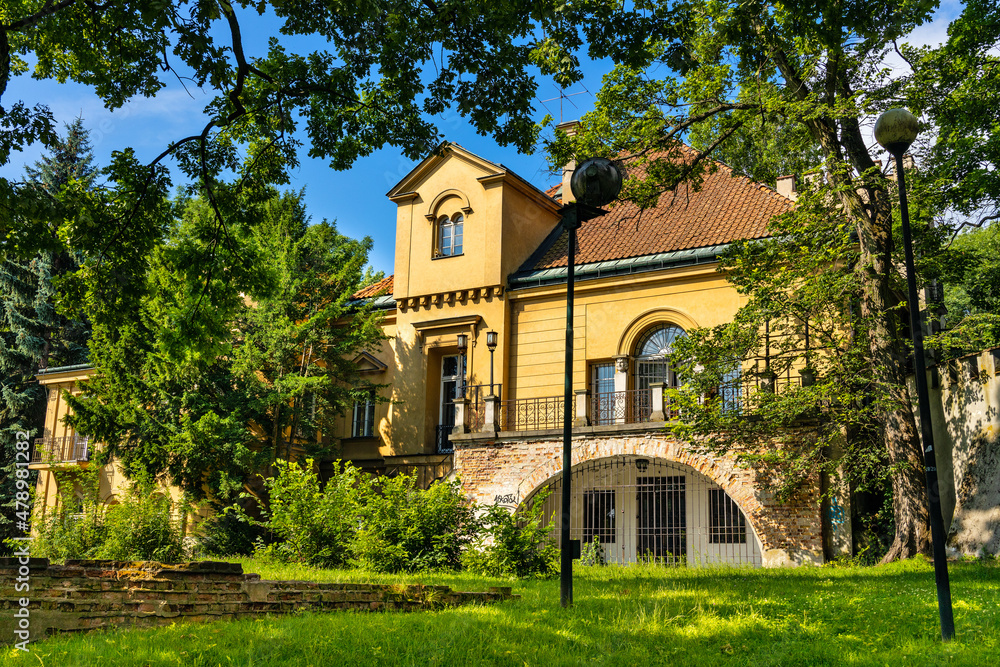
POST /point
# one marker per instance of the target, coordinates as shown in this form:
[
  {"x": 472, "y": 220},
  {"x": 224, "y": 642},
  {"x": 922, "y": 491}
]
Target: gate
[{"x": 653, "y": 510}]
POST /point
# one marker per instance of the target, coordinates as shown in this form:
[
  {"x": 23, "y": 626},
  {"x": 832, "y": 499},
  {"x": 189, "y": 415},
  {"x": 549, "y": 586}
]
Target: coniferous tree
[{"x": 33, "y": 336}]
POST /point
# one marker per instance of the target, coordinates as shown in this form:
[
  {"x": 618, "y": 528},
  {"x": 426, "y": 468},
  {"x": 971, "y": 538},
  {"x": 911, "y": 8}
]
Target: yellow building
[{"x": 480, "y": 254}]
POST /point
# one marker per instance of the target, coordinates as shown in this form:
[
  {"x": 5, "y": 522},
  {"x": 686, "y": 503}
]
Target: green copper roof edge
[
  {"x": 595, "y": 270},
  {"x": 64, "y": 369}
]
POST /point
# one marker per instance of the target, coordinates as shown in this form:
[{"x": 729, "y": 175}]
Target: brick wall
[
  {"x": 512, "y": 468},
  {"x": 88, "y": 594}
]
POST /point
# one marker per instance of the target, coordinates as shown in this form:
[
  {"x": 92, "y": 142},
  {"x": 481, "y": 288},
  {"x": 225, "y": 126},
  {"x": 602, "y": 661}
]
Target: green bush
[
  {"x": 403, "y": 528},
  {"x": 74, "y": 528},
  {"x": 593, "y": 553},
  {"x": 512, "y": 545},
  {"x": 142, "y": 527},
  {"x": 314, "y": 523},
  {"x": 226, "y": 533}
]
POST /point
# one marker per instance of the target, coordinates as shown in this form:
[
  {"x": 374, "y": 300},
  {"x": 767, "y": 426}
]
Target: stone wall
[
  {"x": 509, "y": 467},
  {"x": 965, "y": 416},
  {"x": 89, "y": 594}
]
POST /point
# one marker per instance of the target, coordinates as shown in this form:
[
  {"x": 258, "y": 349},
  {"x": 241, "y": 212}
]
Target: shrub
[
  {"x": 142, "y": 527},
  {"x": 74, "y": 528},
  {"x": 139, "y": 527},
  {"x": 593, "y": 553},
  {"x": 314, "y": 525},
  {"x": 407, "y": 529},
  {"x": 226, "y": 533},
  {"x": 513, "y": 545}
]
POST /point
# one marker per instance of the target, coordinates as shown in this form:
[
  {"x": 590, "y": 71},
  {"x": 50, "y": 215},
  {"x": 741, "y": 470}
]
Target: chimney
[
  {"x": 567, "y": 171},
  {"x": 786, "y": 186},
  {"x": 814, "y": 179}
]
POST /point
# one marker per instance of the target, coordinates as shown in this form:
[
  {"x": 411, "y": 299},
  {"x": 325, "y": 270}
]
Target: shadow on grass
[{"x": 633, "y": 615}]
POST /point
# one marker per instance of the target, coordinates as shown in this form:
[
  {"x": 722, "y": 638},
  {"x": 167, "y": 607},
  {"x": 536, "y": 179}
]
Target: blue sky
[{"x": 354, "y": 198}]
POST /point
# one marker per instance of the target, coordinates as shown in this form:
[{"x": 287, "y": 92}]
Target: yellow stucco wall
[
  {"x": 506, "y": 220},
  {"x": 112, "y": 480},
  {"x": 610, "y": 314}
]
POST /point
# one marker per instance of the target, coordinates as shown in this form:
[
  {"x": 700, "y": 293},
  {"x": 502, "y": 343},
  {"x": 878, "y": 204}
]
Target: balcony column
[
  {"x": 659, "y": 414},
  {"x": 582, "y": 407},
  {"x": 461, "y": 416},
  {"x": 491, "y": 415},
  {"x": 621, "y": 386}
]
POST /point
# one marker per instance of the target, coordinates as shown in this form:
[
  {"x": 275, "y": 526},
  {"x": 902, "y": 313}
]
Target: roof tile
[
  {"x": 728, "y": 207},
  {"x": 380, "y": 288}
]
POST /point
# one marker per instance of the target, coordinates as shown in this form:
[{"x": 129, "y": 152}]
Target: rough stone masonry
[{"x": 88, "y": 594}]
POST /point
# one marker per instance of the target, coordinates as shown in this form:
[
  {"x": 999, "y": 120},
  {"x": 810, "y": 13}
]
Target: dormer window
[{"x": 449, "y": 236}]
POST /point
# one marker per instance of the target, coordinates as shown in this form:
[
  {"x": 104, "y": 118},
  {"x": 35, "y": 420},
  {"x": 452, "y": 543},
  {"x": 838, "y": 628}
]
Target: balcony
[
  {"x": 67, "y": 449},
  {"x": 631, "y": 410},
  {"x": 615, "y": 409}
]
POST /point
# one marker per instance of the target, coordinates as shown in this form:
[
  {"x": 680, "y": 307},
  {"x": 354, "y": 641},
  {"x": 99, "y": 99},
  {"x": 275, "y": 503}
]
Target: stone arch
[
  {"x": 638, "y": 326},
  {"x": 736, "y": 482},
  {"x": 432, "y": 210}
]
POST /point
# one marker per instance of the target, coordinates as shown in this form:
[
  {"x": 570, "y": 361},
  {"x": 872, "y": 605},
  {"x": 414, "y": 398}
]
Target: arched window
[
  {"x": 652, "y": 363},
  {"x": 449, "y": 235}
]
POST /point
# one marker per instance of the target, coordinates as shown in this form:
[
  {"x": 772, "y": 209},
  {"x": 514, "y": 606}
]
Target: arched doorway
[{"x": 642, "y": 509}]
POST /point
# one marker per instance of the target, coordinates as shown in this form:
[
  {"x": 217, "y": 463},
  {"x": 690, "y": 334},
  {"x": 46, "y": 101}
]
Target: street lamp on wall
[
  {"x": 491, "y": 345},
  {"x": 594, "y": 183},
  {"x": 896, "y": 129},
  {"x": 463, "y": 346}
]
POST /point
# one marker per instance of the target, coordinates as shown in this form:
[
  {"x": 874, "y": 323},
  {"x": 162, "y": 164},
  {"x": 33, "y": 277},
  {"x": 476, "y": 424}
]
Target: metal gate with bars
[{"x": 642, "y": 509}]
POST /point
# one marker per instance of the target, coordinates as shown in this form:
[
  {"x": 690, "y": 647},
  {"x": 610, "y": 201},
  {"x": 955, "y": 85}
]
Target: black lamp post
[
  {"x": 595, "y": 183},
  {"x": 895, "y": 130},
  {"x": 463, "y": 346},
  {"x": 491, "y": 345}
]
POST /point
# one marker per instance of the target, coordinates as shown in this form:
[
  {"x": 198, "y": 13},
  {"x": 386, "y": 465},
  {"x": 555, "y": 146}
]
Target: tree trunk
[{"x": 880, "y": 308}]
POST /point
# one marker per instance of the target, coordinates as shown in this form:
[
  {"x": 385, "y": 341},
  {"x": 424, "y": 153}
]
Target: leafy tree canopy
[
  {"x": 206, "y": 384},
  {"x": 769, "y": 87}
]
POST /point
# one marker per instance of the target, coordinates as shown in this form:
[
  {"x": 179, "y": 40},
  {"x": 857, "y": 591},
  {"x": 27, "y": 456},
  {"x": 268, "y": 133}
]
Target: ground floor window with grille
[
  {"x": 363, "y": 424},
  {"x": 727, "y": 523},
  {"x": 599, "y": 516},
  {"x": 651, "y": 510}
]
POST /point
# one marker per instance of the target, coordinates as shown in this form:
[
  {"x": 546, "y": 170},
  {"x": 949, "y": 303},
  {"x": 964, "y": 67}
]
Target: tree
[
  {"x": 33, "y": 336},
  {"x": 208, "y": 385},
  {"x": 811, "y": 66},
  {"x": 956, "y": 87},
  {"x": 384, "y": 72}
]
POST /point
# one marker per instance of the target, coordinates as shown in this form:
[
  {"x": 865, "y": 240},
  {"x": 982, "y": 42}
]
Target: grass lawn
[{"x": 631, "y": 616}]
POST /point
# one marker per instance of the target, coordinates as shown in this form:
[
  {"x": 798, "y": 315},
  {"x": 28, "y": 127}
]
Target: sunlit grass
[{"x": 640, "y": 615}]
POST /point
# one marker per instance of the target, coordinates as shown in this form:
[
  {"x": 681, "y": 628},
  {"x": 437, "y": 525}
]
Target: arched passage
[{"x": 653, "y": 509}]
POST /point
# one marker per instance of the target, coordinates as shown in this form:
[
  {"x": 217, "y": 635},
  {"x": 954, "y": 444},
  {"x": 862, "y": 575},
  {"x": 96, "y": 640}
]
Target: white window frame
[
  {"x": 363, "y": 417},
  {"x": 455, "y": 226}
]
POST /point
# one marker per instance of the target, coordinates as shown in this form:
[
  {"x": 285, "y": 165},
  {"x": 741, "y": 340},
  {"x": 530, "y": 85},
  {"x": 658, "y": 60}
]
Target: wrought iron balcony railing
[{"x": 67, "y": 449}]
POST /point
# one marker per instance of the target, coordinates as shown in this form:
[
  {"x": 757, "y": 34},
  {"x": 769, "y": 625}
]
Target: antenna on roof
[{"x": 563, "y": 96}]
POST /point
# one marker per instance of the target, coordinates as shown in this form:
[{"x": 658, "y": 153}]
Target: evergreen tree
[
  {"x": 33, "y": 336},
  {"x": 70, "y": 158}
]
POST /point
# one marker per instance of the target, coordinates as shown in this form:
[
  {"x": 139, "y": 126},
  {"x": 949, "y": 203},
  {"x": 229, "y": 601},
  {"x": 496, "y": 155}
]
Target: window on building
[
  {"x": 599, "y": 516},
  {"x": 607, "y": 406},
  {"x": 727, "y": 523},
  {"x": 363, "y": 424},
  {"x": 652, "y": 366},
  {"x": 449, "y": 235},
  {"x": 652, "y": 356}
]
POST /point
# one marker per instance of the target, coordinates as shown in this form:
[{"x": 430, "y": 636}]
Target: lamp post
[
  {"x": 595, "y": 183},
  {"x": 491, "y": 345},
  {"x": 895, "y": 130},
  {"x": 463, "y": 346}
]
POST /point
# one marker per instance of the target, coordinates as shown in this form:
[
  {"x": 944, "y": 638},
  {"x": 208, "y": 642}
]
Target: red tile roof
[
  {"x": 726, "y": 208},
  {"x": 382, "y": 287}
]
